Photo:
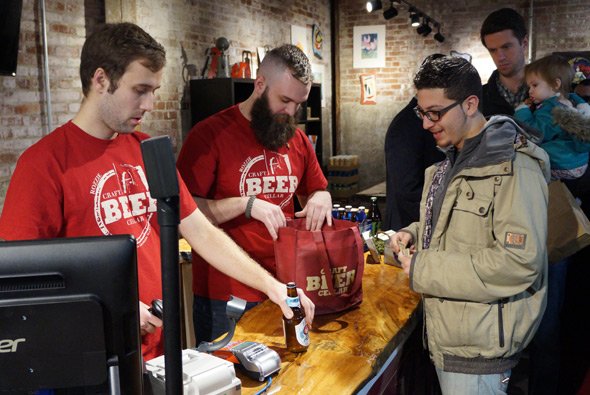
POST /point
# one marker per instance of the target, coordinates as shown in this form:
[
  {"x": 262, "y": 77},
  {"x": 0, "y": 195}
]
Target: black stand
[{"x": 160, "y": 169}]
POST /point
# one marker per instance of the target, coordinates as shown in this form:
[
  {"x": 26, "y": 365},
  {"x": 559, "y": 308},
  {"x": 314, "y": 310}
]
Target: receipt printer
[{"x": 202, "y": 373}]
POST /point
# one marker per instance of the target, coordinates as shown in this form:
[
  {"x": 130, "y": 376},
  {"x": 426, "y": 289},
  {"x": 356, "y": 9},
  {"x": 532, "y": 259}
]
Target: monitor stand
[{"x": 114, "y": 380}]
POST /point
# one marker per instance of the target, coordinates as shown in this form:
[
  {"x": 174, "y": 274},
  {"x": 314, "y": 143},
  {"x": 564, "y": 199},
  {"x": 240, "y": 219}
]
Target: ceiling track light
[
  {"x": 414, "y": 17},
  {"x": 374, "y": 5},
  {"x": 391, "y": 12},
  {"x": 438, "y": 36},
  {"x": 424, "y": 29}
]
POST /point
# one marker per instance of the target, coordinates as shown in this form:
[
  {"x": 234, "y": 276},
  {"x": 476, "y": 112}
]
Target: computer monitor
[
  {"x": 69, "y": 315},
  {"x": 10, "y": 15}
]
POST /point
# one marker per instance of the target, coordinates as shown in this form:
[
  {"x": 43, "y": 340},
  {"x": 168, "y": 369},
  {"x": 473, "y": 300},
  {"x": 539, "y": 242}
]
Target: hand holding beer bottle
[{"x": 295, "y": 328}]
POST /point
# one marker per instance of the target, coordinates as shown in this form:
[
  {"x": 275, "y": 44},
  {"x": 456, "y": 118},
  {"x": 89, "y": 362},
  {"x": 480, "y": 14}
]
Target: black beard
[{"x": 271, "y": 130}]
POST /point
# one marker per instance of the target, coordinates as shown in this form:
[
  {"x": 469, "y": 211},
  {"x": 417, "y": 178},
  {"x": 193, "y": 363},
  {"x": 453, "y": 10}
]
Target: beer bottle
[
  {"x": 335, "y": 208},
  {"x": 295, "y": 328},
  {"x": 353, "y": 214},
  {"x": 375, "y": 217},
  {"x": 347, "y": 209}
]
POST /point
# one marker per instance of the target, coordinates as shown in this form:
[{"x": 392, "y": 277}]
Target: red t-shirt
[
  {"x": 71, "y": 184},
  {"x": 221, "y": 158}
]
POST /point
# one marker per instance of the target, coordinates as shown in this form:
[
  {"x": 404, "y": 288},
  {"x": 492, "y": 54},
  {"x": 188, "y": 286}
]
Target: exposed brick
[{"x": 195, "y": 24}]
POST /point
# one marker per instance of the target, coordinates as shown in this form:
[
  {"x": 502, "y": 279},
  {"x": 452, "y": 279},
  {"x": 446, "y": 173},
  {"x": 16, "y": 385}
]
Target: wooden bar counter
[{"x": 348, "y": 350}]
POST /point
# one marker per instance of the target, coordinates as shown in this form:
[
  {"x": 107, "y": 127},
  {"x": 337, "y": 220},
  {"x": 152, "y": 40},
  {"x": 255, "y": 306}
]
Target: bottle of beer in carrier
[
  {"x": 375, "y": 217},
  {"x": 347, "y": 210},
  {"x": 335, "y": 208},
  {"x": 295, "y": 328}
]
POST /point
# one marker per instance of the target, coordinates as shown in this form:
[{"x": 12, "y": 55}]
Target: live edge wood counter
[{"x": 347, "y": 349}]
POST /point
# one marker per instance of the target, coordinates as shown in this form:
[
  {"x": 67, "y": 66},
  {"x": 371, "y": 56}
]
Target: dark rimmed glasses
[{"x": 435, "y": 115}]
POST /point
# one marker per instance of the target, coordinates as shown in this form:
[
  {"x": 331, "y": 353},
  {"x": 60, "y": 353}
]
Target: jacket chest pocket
[{"x": 470, "y": 224}]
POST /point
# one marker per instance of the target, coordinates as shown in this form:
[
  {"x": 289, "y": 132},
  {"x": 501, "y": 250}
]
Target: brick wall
[
  {"x": 192, "y": 24},
  {"x": 557, "y": 27}
]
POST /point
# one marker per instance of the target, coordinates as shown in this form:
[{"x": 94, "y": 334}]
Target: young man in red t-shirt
[
  {"x": 245, "y": 165},
  {"x": 87, "y": 177}
]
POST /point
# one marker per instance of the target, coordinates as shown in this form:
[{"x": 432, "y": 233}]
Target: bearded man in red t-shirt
[{"x": 245, "y": 165}]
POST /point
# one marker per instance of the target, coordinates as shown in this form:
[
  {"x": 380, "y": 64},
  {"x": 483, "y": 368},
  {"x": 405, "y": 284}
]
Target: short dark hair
[
  {"x": 455, "y": 75},
  {"x": 113, "y": 46},
  {"x": 291, "y": 57},
  {"x": 504, "y": 19},
  {"x": 432, "y": 57}
]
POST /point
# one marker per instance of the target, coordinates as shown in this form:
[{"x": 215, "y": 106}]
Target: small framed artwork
[
  {"x": 580, "y": 62},
  {"x": 299, "y": 38},
  {"x": 368, "y": 89},
  {"x": 317, "y": 39},
  {"x": 368, "y": 46}
]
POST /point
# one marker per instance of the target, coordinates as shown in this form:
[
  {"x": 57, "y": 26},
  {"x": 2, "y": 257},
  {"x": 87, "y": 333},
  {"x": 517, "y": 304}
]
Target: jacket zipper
[{"x": 501, "y": 322}]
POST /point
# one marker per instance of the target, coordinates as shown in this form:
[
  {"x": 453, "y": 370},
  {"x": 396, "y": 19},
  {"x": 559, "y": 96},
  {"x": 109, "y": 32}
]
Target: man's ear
[
  {"x": 100, "y": 81},
  {"x": 260, "y": 85},
  {"x": 525, "y": 41},
  {"x": 472, "y": 103}
]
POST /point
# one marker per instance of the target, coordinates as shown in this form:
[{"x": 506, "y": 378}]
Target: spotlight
[
  {"x": 390, "y": 13},
  {"x": 439, "y": 37},
  {"x": 414, "y": 17},
  {"x": 424, "y": 29},
  {"x": 374, "y": 5}
]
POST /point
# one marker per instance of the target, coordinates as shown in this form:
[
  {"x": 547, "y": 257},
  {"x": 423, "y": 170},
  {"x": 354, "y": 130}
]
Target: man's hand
[
  {"x": 147, "y": 321},
  {"x": 406, "y": 261},
  {"x": 401, "y": 244},
  {"x": 317, "y": 210},
  {"x": 278, "y": 294},
  {"x": 399, "y": 240},
  {"x": 270, "y": 215}
]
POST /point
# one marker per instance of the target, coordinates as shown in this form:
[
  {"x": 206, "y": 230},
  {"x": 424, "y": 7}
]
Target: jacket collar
[{"x": 500, "y": 138}]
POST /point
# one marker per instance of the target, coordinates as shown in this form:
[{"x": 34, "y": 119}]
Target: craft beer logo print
[
  {"x": 341, "y": 280},
  {"x": 268, "y": 176},
  {"x": 122, "y": 200}
]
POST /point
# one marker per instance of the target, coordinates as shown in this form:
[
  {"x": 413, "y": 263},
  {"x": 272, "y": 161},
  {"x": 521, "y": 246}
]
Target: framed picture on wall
[
  {"x": 580, "y": 61},
  {"x": 368, "y": 46},
  {"x": 299, "y": 38},
  {"x": 368, "y": 89}
]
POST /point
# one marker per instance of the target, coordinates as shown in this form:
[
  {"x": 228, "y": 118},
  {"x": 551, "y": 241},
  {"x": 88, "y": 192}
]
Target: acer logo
[{"x": 9, "y": 345}]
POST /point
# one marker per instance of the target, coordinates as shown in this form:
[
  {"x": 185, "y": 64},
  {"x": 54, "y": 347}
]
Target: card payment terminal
[{"x": 257, "y": 360}]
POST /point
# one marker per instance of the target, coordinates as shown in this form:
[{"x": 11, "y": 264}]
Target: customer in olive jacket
[{"x": 478, "y": 253}]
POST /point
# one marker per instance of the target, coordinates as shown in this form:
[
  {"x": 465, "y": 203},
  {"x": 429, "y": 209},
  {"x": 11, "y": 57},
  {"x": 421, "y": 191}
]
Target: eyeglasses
[{"x": 435, "y": 115}]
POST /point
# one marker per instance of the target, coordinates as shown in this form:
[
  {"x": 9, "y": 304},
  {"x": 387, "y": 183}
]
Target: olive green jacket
[{"x": 483, "y": 277}]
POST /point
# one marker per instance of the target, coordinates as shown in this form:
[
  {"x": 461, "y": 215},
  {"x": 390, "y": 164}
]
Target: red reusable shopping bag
[{"x": 328, "y": 264}]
